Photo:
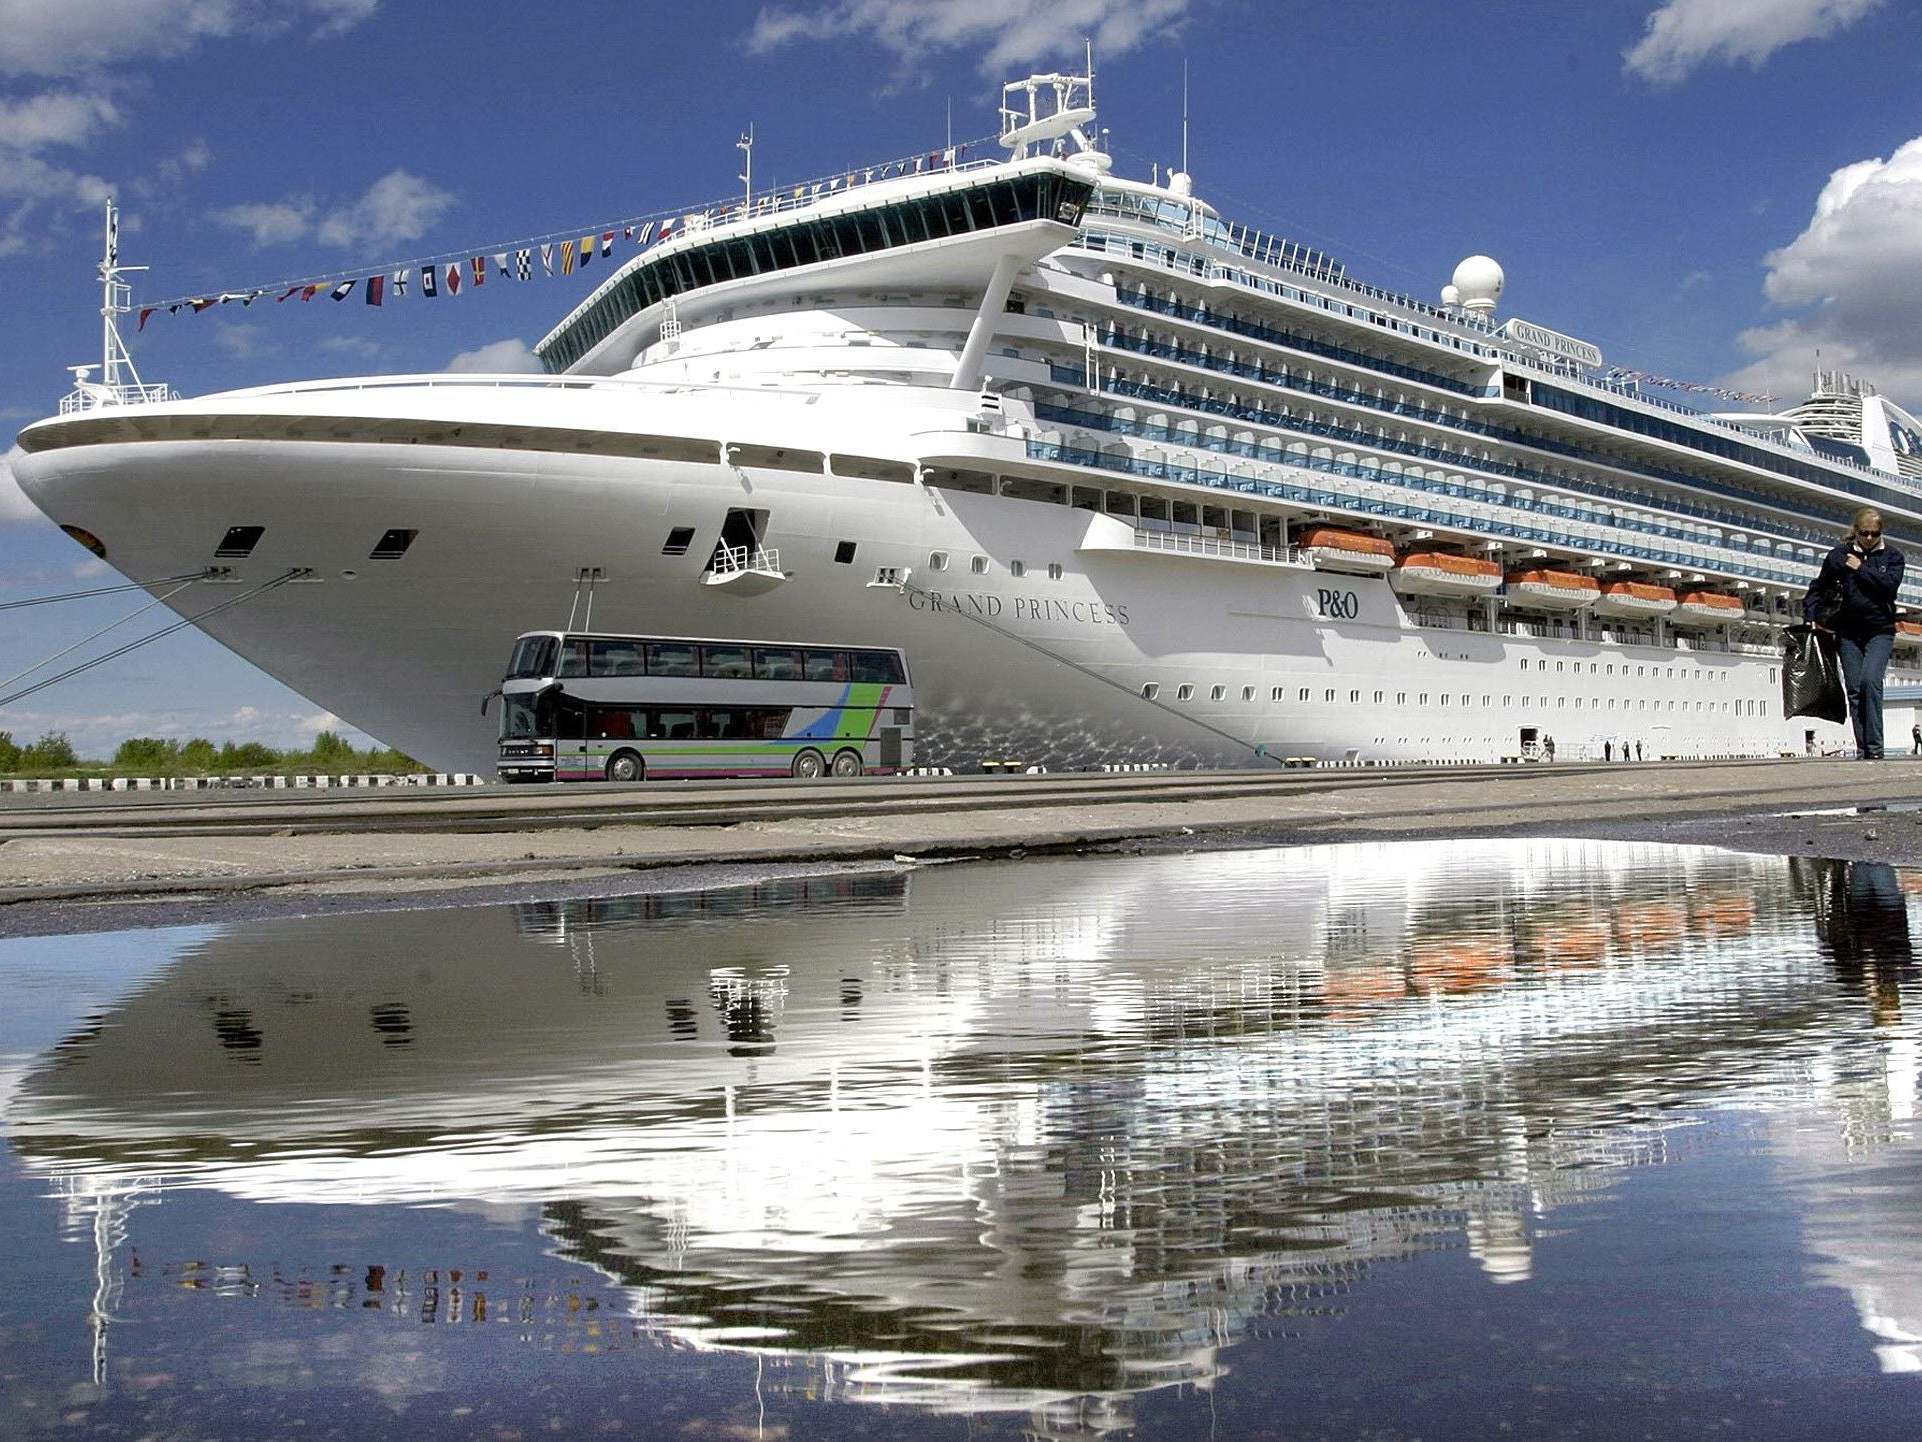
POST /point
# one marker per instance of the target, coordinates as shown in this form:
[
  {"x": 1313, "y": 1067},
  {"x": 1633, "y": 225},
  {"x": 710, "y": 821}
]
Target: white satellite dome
[
  {"x": 1479, "y": 281},
  {"x": 1451, "y": 296}
]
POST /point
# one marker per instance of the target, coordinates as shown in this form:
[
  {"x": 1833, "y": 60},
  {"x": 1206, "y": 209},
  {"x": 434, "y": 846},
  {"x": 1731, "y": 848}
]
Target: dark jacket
[{"x": 1867, "y": 593}]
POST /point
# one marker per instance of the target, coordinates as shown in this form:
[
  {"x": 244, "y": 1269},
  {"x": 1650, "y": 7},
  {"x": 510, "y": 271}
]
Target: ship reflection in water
[{"x": 1396, "y": 1137}]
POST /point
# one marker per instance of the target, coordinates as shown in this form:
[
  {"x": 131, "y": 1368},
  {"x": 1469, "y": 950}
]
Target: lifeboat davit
[
  {"x": 1437, "y": 573},
  {"x": 1706, "y": 608},
  {"x": 1908, "y": 633},
  {"x": 1329, "y": 548},
  {"x": 1553, "y": 590},
  {"x": 1634, "y": 598}
]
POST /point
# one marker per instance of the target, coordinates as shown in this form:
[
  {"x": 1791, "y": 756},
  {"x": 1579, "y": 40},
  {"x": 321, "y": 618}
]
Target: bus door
[
  {"x": 891, "y": 746},
  {"x": 571, "y": 756}
]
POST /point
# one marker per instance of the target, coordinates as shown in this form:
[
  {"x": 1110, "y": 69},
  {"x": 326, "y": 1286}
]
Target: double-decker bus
[{"x": 593, "y": 707}]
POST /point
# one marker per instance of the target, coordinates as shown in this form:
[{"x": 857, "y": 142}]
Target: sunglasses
[{"x": 1870, "y": 535}]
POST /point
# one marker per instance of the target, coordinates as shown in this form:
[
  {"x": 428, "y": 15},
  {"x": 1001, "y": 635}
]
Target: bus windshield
[
  {"x": 527, "y": 715},
  {"x": 533, "y": 656}
]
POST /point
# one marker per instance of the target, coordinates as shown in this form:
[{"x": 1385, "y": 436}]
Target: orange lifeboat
[
  {"x": 1329, "y": 548},
  {"x": 1908, "y": 633},
  {"x": 1634, "y": 598},
  {"x": 1706, "y": 608},
  {"x": 1438, "y": 573},
  {"x": 1552, "y": 590}
]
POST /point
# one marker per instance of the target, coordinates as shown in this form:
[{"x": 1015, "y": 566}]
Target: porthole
[
  {"x": 1017, "y": 568},
  {"x": 937, "y": 560},
  {"x": 1184, "y": 692},
  {"x": 1150, "y": 690},
  {"x": 1218, "y": 693},
  {"x": 979, "y": 565}
]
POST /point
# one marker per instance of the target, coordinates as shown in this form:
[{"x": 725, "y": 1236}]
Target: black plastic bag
[{"x": 1812, "y": 675}]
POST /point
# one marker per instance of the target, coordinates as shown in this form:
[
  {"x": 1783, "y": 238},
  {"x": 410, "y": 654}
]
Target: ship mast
[{"x": 119, "y": 382}]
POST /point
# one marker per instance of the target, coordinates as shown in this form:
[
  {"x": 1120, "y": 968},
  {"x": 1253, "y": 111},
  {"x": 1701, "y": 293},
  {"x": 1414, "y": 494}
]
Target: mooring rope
[
  {"x": 101, "y": 591},
  {"x": 179, "y": 625},
  {"x": 84, "y": 640}
]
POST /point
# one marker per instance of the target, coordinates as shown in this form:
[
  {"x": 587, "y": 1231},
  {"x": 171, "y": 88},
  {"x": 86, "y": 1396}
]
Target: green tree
[
  {"x": 52, "y": 752},
  {"x": 331, "y": 752},
  {"x": 147, "y": 753},
  {"x": 247, "y": 756},
  {"x": 198, "y": 754},
  {"x": 9, "y": 752}
]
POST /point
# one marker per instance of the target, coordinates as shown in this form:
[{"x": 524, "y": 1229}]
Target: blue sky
[{"x": 1707, "y": 189}]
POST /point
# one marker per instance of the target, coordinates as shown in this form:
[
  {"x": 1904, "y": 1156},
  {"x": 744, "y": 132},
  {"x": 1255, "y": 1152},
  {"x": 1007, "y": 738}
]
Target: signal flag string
[{"x": 558, "y": 252}]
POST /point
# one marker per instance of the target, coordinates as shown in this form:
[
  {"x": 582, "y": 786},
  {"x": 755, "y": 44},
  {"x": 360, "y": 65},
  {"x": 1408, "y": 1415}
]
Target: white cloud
[
  {"x": 1015, "y": 32},
  {"x": 1855, "y": 275},
  {"x": 503, "y": 357},
  {"x": 54, "y": 118},
  {"x": 73, "y": 37},
  {"x": 1684, "y": 35},
  {"x": 398, "y": 206},
  {"x": 351, "y": 345},
  {"x": 14, "y": 505},
  {"x": 270, "y": 223},
  {"x": 243, "y": 341}
]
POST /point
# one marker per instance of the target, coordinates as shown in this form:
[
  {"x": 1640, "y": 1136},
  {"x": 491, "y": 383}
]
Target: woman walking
[{"x": 1854, "y": 596}]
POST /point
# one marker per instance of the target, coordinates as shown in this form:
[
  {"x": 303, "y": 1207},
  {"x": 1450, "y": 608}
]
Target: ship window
[
  {"x": 937, "y": 560},
  {"x": 1276, "y": 694},
  {"x": 979, "y": 565},
  {"x": 240, "y": 540},
  {"x": 1304, "y": 693},
  {"x": 392, "y": 545},
  {"x": 844, "y": 553},
  {"x": 1054, "y": 570},
  {"x": 1329, "y": 695},
  {"x": 1017, "y": 568},
  {"x": 1218, "y": 693},
  {"x": 1354, "y": 696},
  {"x": 678, "y": 540},
  {"x": 1184, "y": 692},
  {"x": 1378, "y": 696},
  {"x": 1401, "y": 698},
  {"x": 1150, "y": 690},
  {"x": 1247, "y": 693}
]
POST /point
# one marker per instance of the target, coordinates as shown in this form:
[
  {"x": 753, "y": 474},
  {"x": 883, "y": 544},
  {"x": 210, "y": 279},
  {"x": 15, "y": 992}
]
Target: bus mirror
[{"x": 489, "y": 697}]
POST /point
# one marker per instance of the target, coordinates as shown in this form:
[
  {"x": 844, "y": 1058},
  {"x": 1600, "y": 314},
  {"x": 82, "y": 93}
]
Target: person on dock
[{"x": 1854, "y": 598}]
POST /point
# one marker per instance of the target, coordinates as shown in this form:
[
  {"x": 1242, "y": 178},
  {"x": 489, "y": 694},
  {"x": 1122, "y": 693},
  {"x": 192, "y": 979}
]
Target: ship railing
[
  {"x": 731, "y": 560},
  {"x": 93, "y": 396},
  {"x": 1201, "y": 267},
  {"x": 1214, "y": 546}
]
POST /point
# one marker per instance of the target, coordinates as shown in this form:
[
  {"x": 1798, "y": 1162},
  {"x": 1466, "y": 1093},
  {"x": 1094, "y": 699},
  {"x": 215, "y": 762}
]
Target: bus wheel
[
  {"x": 625, "y": 766},
  {"x": 809, "y": 766},
  {"x": 847, "y": 763}
]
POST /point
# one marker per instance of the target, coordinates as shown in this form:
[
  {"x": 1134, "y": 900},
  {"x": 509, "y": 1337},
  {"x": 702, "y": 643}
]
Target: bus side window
[
  {"x": 727, "y": 663},
  {"x": 616, "y": 658},
  {"x": 721, "y": 725},
  {"x": 827, "y": 665},
  {"x": 614, "y": 723},
  {"x": 773, "y": 665},
  {"x": 573, "y": 659},
  {"x": 672, "y": 658},
  {"x": 877, "y": 666},
  {"x": 768, "y": 723},
  {"x": 672, "y": 726}
]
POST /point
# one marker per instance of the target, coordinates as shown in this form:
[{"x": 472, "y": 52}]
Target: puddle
[{"x": 1568, "y": 1138}]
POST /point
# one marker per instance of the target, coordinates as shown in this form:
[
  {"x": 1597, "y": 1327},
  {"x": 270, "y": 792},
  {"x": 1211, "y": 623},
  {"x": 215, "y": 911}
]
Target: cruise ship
[{"x": 1128, "y": 480}]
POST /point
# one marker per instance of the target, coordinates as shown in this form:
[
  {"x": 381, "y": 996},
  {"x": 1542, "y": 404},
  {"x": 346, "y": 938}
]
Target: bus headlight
[{"x": 546, "y": 748}]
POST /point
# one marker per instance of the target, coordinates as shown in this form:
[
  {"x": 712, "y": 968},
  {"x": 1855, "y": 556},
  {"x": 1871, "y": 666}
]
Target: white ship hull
[{"x": 1283, "y": 660}]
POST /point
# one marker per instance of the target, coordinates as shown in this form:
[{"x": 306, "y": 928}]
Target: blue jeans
[{"x": 1864, "y": 664}]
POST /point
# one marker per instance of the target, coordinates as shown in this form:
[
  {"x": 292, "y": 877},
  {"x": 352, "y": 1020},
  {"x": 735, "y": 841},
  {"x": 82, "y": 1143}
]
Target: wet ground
[{"x": 1392, "y": 1140}]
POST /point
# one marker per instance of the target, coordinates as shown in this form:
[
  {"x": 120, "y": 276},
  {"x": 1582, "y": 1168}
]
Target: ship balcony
[{"x": 745, "y": 571}]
